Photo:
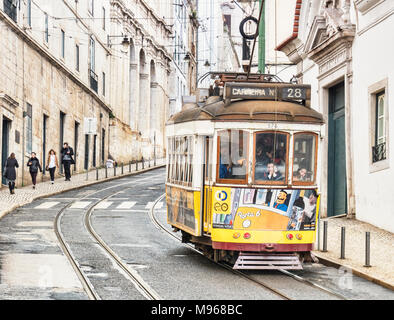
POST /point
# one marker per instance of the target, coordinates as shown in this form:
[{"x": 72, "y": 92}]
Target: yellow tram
[{"x": 242, "y": 172}]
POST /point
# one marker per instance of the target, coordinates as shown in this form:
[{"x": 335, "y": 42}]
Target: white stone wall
[
  {"x": 34, "y": 71},
  {"x": 373, "y": 63}
]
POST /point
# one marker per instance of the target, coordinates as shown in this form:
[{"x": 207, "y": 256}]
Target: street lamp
[
  {"x": 207, "y": 64},
  {"x": 187, "y": 57},
  {"x": 125, "y": 42}
]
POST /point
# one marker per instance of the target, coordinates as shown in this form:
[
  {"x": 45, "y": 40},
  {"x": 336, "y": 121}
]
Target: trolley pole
[{"x": 262, "y": 38}]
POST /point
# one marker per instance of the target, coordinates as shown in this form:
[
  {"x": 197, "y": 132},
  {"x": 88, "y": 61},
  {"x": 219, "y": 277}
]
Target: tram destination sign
[{"x": 268, "y": 91}]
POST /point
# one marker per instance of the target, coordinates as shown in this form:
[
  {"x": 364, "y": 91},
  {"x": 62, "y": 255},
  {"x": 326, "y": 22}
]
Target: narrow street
[{"x": 34, "y": 266}]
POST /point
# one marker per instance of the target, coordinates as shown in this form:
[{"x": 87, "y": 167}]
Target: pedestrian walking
[
  {"x": 67, "y": 160},
  {"x": 34, "y": 165},
  {"x": 52, "y": 164},
  {"x": 9, "y": 171}
]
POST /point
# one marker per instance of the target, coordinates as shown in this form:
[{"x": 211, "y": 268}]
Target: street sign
[{"x": 90, "y": 125}]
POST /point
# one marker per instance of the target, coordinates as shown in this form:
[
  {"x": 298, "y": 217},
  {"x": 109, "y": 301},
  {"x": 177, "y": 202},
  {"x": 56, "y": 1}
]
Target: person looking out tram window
[
  {"x": 304, "y": 157},
  {"x": 272, "y": 173},
  {"x": 270, "y": 156},
  {"x": 232, "y": 157}
]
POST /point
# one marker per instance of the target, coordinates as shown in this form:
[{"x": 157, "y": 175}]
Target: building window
[
  {"x": 92, "y": 75},
  {"x": 63, "y": 45},
  {"x": 379, "y": 127},
  {"x": 379, "y": 149},
  {"x": 92, "y": 54},
  {"x": 10, "y": 9},
  {"x": 103, "y": 18},
  {"x": 77, "y": 57},
  {"x": 29, "y": 13},
  {"x": 29, "y": 128},
  {"x": 46, "y": 28},
  {"x": 103, "y": 83},
  {"x": 91, "y": 7}
]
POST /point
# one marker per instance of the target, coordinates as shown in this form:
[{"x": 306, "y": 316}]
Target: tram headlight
[
  {"x": 236, "y": 235},
  {"x": 246, "y": 223}
]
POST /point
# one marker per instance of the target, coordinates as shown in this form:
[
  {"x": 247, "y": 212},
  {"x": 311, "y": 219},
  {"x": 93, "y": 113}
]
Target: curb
[
  {"x": 329, "y": 262},
  {"x": 4, "y": 213}
]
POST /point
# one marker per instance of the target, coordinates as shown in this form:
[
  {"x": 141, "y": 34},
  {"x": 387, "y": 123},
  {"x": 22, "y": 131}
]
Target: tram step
[{"x": 260, "y": 261}]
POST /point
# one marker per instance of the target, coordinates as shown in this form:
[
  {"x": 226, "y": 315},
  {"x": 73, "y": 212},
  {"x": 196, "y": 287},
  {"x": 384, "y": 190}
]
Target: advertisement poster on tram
[{"x": 264, "y": 209}]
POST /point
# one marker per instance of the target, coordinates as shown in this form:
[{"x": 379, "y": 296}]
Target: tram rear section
[{"x": 242, "y": 172}]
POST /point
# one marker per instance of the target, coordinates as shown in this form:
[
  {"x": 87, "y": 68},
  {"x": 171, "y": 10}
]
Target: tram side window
[
  {"x": 304, "y": 157},
  {"x": 190, "y": 161},
  {"x": 270, "y": 156},
  {"x": 232, "y": 155},
  {"x": 170, "y": 160}
]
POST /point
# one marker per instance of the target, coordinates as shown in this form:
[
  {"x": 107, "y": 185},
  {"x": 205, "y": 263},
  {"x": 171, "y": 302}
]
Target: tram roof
[{"x": 247, "y": 110}]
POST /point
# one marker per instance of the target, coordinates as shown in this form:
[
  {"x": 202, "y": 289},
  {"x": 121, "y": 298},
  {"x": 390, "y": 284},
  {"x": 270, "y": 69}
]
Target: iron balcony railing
[
  {"x": 379, "y": 152},
  {"x": 93, "y": 81}
]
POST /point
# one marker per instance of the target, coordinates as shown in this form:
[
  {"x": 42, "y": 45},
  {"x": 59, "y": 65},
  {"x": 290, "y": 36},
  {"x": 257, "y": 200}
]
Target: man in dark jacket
[
  {"x": 67, "y": 160},
  {"x": 34, "y": 165}
]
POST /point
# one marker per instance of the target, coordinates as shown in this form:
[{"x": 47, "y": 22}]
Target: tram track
[
  {"x": 157, "y": 223},
  {"x": 138, "y": 282}
]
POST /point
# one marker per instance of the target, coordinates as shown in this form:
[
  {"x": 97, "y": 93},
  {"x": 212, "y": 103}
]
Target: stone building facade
[
  {"x": 183, "y": 76},
  {"x": 341, "y": 48},
  {"x": 93, "y": 73},
  {"x": 139, "y": 78},
  {"x": 51, "y": 81}
]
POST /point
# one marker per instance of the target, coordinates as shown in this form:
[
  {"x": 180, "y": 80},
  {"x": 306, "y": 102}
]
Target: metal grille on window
[{"x": 379, "y": 150}]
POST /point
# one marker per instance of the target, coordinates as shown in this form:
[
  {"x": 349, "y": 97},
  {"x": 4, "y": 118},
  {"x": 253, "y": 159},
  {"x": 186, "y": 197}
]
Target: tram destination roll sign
[{"x": 265, "y": 91}]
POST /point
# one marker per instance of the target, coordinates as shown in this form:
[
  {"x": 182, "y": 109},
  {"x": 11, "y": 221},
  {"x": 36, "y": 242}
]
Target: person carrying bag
[
  {"x": 34, "y": 165},
  {"x": 10, "y": 173}
]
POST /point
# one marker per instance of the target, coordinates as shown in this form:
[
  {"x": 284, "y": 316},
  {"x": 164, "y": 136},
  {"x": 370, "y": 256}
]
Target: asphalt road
[{"x": 33, "y": 266}]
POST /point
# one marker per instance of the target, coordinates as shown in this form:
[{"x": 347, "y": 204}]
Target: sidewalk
[
  {"x": 25, "y": 195},
  {"x": 381, "y": 249}
]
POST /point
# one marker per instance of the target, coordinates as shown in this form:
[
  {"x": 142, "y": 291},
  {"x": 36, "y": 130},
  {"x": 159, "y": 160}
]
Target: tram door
[
  {"x": 337, "y": 189},
  {"x": 208, "y": 179}
]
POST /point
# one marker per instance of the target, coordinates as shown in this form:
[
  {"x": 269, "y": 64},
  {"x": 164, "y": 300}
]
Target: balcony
[
  {"x": 379, "y": 152},
  {"x": 93, "y": 80}
]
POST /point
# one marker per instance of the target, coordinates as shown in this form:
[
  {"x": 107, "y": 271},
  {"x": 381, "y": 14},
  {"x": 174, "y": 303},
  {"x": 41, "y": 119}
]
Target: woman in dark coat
[
  {"x": 34, "y": 165},
  {"x": 10, "y": 172}
]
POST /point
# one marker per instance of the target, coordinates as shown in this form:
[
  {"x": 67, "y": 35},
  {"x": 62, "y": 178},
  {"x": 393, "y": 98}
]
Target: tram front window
[
  {"x": 233, "y": 154},
  {"x": 304, "y": 157},
  {"x": 270, "y": 156}
]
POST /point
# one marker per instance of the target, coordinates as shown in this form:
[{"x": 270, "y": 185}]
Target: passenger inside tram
[
  {"x": 270, "y": 162},
  {"x": 232, "y": 161},
  {"x": 304, "y": 157}
]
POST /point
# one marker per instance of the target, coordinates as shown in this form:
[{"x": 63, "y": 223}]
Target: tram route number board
[{"x": 287, "y": 93}]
